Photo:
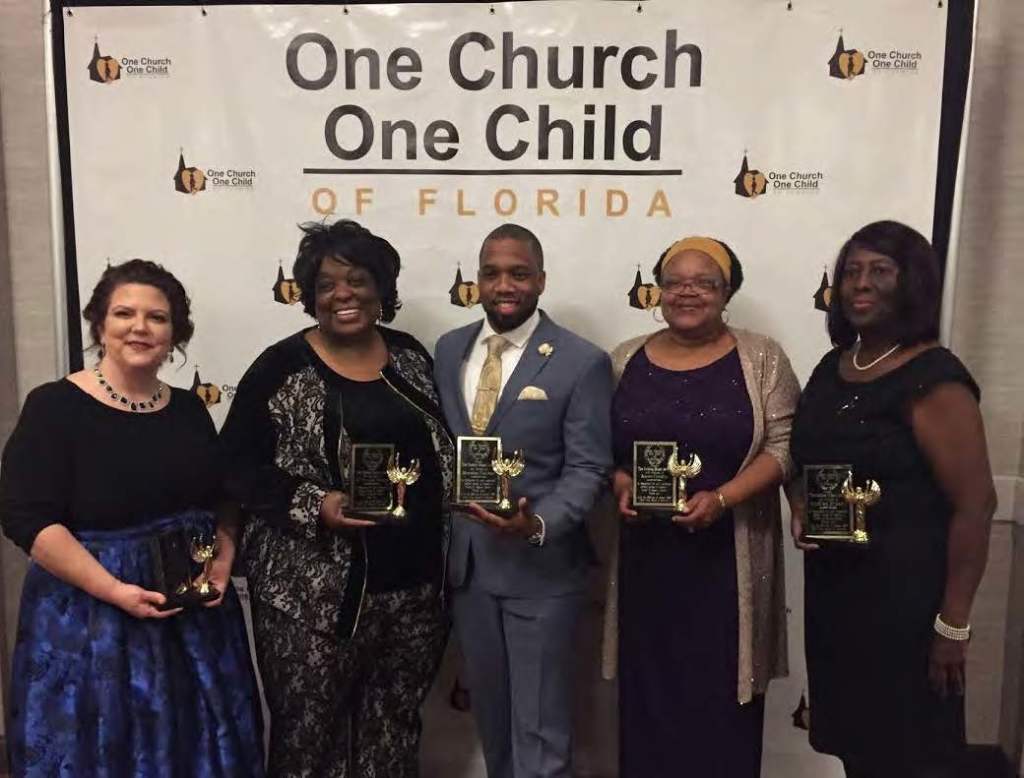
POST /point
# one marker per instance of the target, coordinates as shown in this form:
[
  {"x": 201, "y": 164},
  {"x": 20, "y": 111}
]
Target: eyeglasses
[{"x": 702, "y": 286}]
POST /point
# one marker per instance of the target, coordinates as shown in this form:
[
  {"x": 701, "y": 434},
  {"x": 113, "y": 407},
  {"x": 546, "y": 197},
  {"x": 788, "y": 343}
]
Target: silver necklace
[
  {"x": 873, "y": 362},
  {"x": 138, "y": 406}
]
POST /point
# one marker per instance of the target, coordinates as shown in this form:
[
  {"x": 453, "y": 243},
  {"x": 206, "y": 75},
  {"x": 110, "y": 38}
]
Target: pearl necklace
[
  {"x": 873, "y": 362},
  {"x": 138, "y": 406}
]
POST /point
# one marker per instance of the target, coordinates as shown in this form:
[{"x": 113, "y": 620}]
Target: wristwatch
[{"x": 537, "y": 538}]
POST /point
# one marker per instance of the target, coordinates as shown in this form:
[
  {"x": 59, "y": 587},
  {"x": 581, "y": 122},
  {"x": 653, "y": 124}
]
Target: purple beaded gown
[{"x": 678, "y": 609}]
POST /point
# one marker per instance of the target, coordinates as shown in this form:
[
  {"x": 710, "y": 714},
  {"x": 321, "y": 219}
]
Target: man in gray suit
[{"x": 517, "y": 582}]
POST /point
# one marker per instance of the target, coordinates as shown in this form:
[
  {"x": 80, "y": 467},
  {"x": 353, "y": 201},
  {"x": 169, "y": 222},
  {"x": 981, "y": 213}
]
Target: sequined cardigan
[{"x": 773, "y": 389}]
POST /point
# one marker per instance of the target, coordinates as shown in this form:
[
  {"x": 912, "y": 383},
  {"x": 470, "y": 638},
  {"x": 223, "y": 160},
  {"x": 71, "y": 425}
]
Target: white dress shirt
[{"x": 509, "y": 358}]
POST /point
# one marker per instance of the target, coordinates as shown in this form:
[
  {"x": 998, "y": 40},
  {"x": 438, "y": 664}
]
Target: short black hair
[
  {"x": 735, "y": 268},
  {"x": 349, "y": 241},
  {"x": 512, "y": 231},
  {"x": 141, "y": 271},
  {"x": 919, "y": 287}
]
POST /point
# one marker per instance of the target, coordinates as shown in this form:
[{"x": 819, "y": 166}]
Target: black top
[
  {"x": 866, "y": 424},
  {"x": 288, "y": 443},
  {"x": 76, "y": 461},
  {"x": 869, "y": 611},
  {"x": 406, "y": 554}
]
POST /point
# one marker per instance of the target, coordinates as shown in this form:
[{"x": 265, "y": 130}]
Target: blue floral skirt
[{"x": 97, "y": 693}]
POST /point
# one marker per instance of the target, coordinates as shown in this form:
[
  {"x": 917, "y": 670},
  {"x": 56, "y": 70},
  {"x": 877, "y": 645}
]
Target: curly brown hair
[{"x": 141, "y": 271}]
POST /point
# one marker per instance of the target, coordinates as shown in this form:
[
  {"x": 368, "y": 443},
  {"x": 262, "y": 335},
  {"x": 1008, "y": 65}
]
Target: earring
[
  {"x": 725, "y": 316},
  {"x": 101, "y": 351},
  {"x": 380, "y": 314},
  {"x": 654, "y": 315},
  {"x": 170, "y": 356}
]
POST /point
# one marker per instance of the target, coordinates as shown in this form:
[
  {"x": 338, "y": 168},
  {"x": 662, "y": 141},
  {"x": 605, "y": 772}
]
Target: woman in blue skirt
[{"x": 110, "y": 480}]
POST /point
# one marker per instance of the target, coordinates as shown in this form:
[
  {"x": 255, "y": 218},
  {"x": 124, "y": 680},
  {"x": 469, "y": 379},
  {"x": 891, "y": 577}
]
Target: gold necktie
[{"x": 489, "y": 386}]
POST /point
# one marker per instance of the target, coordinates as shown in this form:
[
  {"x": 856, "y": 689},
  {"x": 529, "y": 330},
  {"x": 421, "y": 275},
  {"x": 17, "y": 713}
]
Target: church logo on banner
[
  {"x": 751, "y": 183},
  {"x": 207, "y": 392},
  {"x": 846, "y": 64},
  {"x": 192, "y": 179},
  {"x": 103, "y": 70},
  {"x": 823, "y": 294},
  {"x": 464, "y": 294},
  {"x": 641, "y": 295},
  {"x": 188, "y": 179},
  {"x": 286, "y": 290},
  {"x": 106, "y": 69}
]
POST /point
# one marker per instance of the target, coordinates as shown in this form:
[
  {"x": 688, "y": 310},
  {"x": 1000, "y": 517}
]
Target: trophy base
[
  {"x": 660, "y": 515},
  {"x": 191, "y": 598}
]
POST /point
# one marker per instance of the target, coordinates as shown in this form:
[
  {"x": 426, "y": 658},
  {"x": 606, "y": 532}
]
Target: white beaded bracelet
[{"x": 951, "y": 633}]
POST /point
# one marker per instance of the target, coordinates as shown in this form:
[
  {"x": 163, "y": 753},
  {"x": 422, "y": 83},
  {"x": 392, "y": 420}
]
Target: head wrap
[{"x": 708, "y": 246}]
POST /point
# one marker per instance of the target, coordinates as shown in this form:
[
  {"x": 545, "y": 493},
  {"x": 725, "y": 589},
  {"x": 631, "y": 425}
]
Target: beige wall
[
  {"x": 988, "y": 332},
  {"x": 23, "y": 115},
  {"x": 8, "y": 386},
  {"x": 27, "y": 350}
]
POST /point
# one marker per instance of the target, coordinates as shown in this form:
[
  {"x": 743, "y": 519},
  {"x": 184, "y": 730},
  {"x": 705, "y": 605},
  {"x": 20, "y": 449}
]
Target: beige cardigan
[{"x": 773, "y": 390}]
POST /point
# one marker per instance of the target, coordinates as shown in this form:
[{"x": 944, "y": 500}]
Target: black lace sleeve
[{"x": 251, "y": 440}]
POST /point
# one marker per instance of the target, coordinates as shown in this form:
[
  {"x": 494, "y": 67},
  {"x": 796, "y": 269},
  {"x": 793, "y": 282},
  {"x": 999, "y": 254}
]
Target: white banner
[{"x": 200, "y": 140}]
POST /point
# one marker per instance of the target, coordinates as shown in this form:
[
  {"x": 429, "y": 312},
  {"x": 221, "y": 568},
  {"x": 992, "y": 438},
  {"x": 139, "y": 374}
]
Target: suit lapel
[
  {"x": 530, "y": 364},
  {"x": 461, "y": 347}
]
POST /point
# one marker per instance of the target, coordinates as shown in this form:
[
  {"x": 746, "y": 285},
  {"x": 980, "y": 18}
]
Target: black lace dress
[{"x": 869, "y": 611}]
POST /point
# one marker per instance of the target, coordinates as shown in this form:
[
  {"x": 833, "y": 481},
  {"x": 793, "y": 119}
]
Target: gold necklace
[{"x": 873, "y": 362}]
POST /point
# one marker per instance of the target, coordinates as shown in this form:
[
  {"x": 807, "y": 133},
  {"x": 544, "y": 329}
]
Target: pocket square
[{"x": 532, "y": 393}]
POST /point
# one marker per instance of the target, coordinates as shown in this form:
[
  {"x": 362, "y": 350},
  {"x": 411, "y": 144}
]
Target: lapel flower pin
[{"x": 546, "y": 349}]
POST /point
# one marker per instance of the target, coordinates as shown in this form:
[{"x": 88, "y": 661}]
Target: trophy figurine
[
  {"x": 861, "y": 498},
  {"x": 507, "y": 468},
  {"x": 401, "y": 477},
  {"x": 202, "y": 553},
  {"x": 681, "y": 471}
]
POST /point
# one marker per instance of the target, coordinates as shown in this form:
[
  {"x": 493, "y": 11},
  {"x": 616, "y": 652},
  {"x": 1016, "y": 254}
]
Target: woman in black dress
[
  {"x": 887, "y": 624},
  {"x": 102, "y": 464},
  {"x": 346, "y": 611}
]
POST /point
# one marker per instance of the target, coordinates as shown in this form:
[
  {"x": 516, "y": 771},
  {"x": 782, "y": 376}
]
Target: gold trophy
[
  {"x": 861, "y": 498},
  {"x": 202, "y": 553},
  {"x": 401, "y": 477},
  {"x": 682, "y": 471},
  {"x": 507, "y": 468}
]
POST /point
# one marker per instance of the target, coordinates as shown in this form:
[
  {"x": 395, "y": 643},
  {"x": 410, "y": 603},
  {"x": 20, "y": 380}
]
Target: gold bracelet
[{"x": 721, "y": 500}]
